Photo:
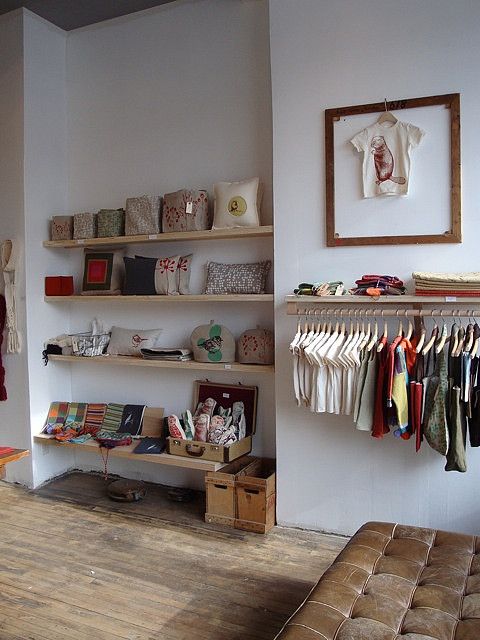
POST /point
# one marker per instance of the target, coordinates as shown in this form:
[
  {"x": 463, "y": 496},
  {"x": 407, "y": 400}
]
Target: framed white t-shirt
[{"x": 386, "y": 156}]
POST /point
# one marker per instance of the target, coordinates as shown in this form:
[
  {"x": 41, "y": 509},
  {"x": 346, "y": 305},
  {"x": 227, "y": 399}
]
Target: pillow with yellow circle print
[{"x": 237, "y": 204}]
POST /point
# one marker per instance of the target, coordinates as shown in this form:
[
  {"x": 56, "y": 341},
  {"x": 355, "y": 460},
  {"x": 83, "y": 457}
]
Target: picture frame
[{"x": 454, "y": 233}]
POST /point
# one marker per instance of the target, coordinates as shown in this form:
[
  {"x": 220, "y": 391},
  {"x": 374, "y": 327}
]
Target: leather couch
[{"x": 394, "y": 582}]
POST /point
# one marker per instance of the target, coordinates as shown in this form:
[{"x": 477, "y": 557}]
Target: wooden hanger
[
  {"x": 421, "y": 340},
  {"x": 374, "y": 339},
  {"x": 433, "y": 337},
  {"x": 385, "y": 334},
  {"x": 443, "y": 335},
  {"x": 387, "y": 116}
]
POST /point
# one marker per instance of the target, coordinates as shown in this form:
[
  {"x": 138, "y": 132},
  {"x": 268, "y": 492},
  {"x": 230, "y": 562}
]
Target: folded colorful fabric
[
  {"x": 113, "y": 417},
  {"x": 5, "y": 450},
  {"x": 94, "y": 417},
  {"x": 75, "y": 418},
  {"x": 392, "y": 281},
  {"x": 56, "y": 416}
]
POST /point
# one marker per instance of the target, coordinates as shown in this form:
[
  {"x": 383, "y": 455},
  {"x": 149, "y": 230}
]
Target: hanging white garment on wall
[{"x": 9, "y": 259}]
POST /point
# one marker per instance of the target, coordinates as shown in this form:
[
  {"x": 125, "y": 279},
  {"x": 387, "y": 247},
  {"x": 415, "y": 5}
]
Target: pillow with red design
[
  {"x": 129, "y": 342},
  {"x": 170, "y": 282}
]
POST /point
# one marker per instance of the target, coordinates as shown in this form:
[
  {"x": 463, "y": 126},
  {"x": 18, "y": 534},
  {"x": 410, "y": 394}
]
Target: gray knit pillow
[{"x": 237, "y": 278}]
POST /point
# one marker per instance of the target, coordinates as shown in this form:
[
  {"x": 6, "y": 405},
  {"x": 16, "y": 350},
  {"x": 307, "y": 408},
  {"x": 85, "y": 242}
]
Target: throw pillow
[
  {"x": 110, "y": 223},
  {"x": 103, "y": 272},
  {"x": 237, "y": 204},
  {"x": 84, "y": 225},
  {"x": 184, "y": 270},
  {"x": 166, "y": 279},
  {"x": 139, "y": 277},
  {"x": 185, "y": 210},
  {"x": 128, "y": 342},
  {"x": 237, "y": 278}
]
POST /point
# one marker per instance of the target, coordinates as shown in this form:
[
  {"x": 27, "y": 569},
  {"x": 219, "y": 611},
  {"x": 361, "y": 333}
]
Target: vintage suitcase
[{"x": 226, "y": 396}]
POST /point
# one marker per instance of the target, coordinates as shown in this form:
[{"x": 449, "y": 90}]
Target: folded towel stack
[
  {"x": 378, "y": 285},
  {"x": 465, "y": 284},
  {"x": 168, "y": 355}
]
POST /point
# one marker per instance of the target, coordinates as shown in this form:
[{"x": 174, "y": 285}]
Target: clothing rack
[{"x": 365, "y": 306}]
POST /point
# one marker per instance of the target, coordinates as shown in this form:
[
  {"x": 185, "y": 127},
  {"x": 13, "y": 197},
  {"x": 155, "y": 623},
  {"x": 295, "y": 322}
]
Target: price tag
[
  {"x": 153, "y": 236},
  {"x": 450, "y": 298},
  {"x": 226, "y": 395},
  {"x": 82, "y": 241},
  {"x": 189, "y": 207},
  {"x": 228, "y": 366}
]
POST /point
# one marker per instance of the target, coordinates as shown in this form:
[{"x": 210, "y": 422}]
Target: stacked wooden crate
[{"x": 242, "y": 495}]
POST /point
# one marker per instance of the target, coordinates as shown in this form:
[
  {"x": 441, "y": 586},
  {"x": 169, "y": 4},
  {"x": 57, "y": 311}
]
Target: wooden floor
[{"x": 75, "y": 565}]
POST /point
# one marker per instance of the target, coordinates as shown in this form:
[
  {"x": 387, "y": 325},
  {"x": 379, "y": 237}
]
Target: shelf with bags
[
  {"x": 251, "y": 297},
  {"x": 127, "y": 452},
  {"x": 175, "y": 236},
  {"x": 132, "y": 361}
]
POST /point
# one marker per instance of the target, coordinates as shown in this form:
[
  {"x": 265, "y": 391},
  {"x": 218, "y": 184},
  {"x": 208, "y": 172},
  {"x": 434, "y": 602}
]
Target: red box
[{"x": 59, "y": 285}]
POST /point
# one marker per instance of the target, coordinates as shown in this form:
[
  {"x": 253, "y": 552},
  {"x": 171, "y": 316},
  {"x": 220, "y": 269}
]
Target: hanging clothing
[
  {"x": 9, "y": 259},
  {"x": 3, "y": 316}
]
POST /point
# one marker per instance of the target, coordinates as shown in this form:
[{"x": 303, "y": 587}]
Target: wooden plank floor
[{"x": 75, "y": 565}]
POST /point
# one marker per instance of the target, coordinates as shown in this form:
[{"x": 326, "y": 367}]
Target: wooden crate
[
  {"x": 220, "y": 490},
  {"x": 256, "y": 498}
]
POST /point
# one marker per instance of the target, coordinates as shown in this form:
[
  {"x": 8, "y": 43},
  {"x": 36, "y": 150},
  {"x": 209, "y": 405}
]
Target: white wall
[
  {"x": 45, "y": 191},
  {"x": 14, "y": 416},
  {"x": 177, "y": 96},
  {"x": 323, "y": 55}
]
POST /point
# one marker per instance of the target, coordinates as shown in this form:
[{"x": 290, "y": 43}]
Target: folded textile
[
  {"x": 176, "y": 354},
  {"x": 132, "y": 419},
  {"x": 94, "y": 417},
  {"x": 333, "y": 288},
  {"x": 150, "y": 445},
  {"x": 56, "y": 417},
  {"x": 468, "y": 276},
  {"x": 448, "y": 292},
  {"x": 113, "y": 417},
  {"x": 5, "y": 450},
  {"x": 374, "y": 280},
  {"x": 75, "y": 418},
  {"x": 440, "y": 286}
]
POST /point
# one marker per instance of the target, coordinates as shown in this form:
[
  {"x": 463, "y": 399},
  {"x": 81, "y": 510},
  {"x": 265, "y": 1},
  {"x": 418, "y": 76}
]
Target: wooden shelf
[
  {"x": 127, "y": 452},
  {"x": 254, "y": 297},
  {"x": 131, "y": 361},
  {"x": 180, "y": 236},
  {"x": 295, "y": 303},
  {"x": 14, "y": 455}
]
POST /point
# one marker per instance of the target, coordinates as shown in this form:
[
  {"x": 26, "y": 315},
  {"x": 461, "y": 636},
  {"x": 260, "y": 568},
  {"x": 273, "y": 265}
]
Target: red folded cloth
[{"x": 6, "y": 450}]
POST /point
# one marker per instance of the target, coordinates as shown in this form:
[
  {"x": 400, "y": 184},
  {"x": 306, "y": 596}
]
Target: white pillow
[
  {"x": 128, "y": 342},
  {"x": 237, "y": 204}
]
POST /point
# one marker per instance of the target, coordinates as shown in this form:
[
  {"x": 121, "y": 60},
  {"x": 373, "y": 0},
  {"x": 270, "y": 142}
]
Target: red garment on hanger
[{"x": 3, "y": 315}]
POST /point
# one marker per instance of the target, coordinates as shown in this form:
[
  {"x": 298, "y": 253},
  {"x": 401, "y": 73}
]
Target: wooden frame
[{"x": 451, "y": 102}]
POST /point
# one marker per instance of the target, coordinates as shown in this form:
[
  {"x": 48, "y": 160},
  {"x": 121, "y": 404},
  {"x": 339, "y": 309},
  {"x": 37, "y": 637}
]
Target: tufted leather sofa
[{"x": 393, "y": 582}]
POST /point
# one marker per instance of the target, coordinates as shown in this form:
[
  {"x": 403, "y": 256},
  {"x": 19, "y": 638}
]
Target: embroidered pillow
[
  {"x": 139, "y": 277},
  {"x": 185, "y": 210},
  {"x": 103, "y": 272},
  {"x": 237, "y": 204},
  {"x": 184, "y": 270},
  {"x": 128, "y": 342},
  {"x": 237, "y": 278},
  {"x": 166, "y": 279}
]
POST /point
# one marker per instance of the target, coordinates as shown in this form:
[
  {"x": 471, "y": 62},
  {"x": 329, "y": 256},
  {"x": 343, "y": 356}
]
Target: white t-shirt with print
[{"x": 386, "y": 157}]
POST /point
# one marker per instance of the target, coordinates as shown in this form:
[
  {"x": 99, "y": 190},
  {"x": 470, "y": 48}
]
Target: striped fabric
[
  {"x": 113, "y": 417},
  {"x": 56, "y": 416},
  {"x": 75, "y": 416},
  {"x": 94, "y": 417}
]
